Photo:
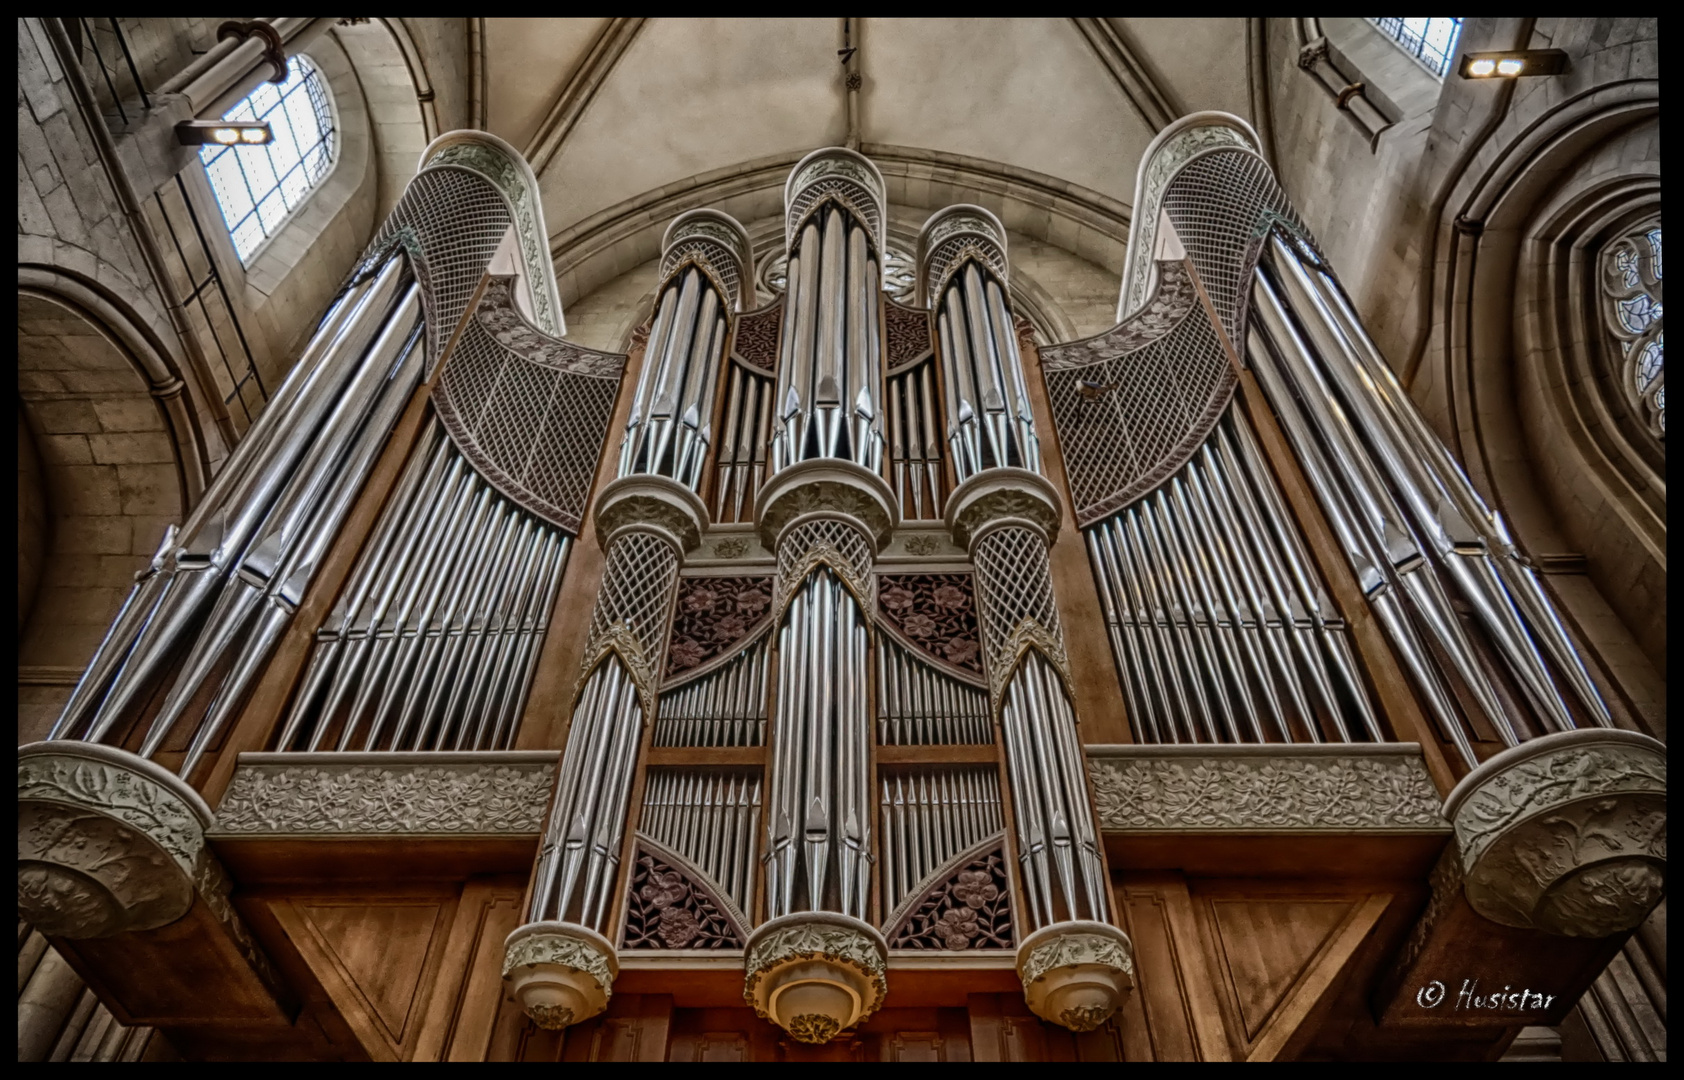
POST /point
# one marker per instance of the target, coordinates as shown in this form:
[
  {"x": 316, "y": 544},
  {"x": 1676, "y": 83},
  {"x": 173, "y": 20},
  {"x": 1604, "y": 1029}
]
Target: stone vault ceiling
[{"x": 611, "y": 110}]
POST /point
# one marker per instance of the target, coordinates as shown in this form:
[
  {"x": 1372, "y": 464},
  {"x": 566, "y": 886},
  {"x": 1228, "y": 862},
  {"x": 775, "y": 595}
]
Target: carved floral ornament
[
  {"x": 827, "y": 486},
  {"x": 560, "y": 974},
  {"x": 1152, "y": 789},
  {"x": 714, "y": 616},
  {"x": 107, "y": 842},
  {"x": 815, "y": 973},
  {"x": 1566, "y": 833},
  {"x": 936, "y": 613},
  {"x": 1076, "y": 974},
  {"x": 655, "y": 504},
  {"x": 301, "y": 796}
]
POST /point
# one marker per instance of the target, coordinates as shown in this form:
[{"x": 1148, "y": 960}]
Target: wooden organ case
[{"x": 893, "y": 689}]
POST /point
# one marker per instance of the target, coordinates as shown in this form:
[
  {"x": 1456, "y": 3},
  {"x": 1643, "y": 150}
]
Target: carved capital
[
  {"x": 1566, "y": 833},
  {"x": 953, "y": 236},
  {"x": 832, "y": 487},
  {"x": 1000, "y": 496},
  {"x": 107, "y": 842},
  {"x": 815, "y": 973},
  {"x": 559, "y": 973},
  {"x": 654, "y": 504},
  {"x": 1076, "y": 974}
]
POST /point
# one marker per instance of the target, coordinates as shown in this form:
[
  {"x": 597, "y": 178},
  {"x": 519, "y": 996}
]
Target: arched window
[
  {"x": 1431, "y": 41},
  {"x": 1631, "y": 290},
  {"x": 258, "y": 186}
]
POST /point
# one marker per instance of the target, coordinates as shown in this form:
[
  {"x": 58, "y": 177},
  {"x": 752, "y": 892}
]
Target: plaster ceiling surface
[
  {"x": 529, "y": 61},
  {"x": 694, "y": 96}
]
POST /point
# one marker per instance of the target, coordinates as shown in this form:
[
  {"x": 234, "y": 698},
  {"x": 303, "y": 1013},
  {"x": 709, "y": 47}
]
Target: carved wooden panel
[
  {"x": 1003, "y": 1029},
  {"x": 463, "y": 1019},
  {"x": 1161, "y": 1020},
  {"x": 376, "y": 956},
  {"x": 1278, "y": 951}
]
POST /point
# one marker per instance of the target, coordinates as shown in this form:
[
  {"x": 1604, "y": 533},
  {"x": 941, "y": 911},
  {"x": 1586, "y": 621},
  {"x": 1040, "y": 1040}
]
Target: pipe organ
[{"x": 772, "y": 703}]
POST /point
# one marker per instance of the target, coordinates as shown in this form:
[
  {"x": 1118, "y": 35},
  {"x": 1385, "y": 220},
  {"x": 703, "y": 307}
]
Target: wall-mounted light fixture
[
  {"x": 224, "y": 133},
  {"x": 1512, "y": 65}
]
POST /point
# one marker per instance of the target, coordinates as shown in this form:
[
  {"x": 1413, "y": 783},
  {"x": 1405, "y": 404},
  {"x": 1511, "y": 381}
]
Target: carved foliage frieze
[
  {"x": 757, "y": 337},
  {"x": 456, "y": 798},
  {"x": 1273, "y": 792}
]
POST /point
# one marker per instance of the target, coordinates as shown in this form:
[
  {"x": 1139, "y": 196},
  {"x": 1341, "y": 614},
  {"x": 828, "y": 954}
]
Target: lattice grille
[
  {"x": 1222, "y": 204},
  {"x": 637, "y": 592},
  {"x": 1127, "y": 420},
  {"x": 717, "y": 262},
  {"x": 852, "y": 197},
  {"x": 530, "y": 411},
  {"x": 797, "y": 550},
  {"x": 1013, "y": 584},
  {"x": 457, "y": 219}
]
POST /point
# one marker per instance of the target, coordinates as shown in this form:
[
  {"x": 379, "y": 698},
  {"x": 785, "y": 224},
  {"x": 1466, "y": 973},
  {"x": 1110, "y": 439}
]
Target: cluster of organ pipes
[
  {"x": 223, "y": 588},
  {"x": 669, "y": 430},
  {"x": 724, "y": 707},
  {"x": 1413, "y": 527},
  {"x": 915, "y": 442},
  {"x": 434, "y": 642},
  {"x": 918, "y": 705},
  {"x": 830, "y": 366},
  {"x": 988, "y": 416},
  {"x": 1217, "y": 613},
  {"x": 746, "y": 427},
  {"x": 710, "y": 818},
  {"x": 930, "y": 817}
]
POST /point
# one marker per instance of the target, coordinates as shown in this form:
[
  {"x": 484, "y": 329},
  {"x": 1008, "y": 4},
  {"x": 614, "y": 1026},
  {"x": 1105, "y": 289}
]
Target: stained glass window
[
  {"x": 1631, "y": 287},
  {"x": 1431, "y": 41},
  {"x": 258, "y": 186}
]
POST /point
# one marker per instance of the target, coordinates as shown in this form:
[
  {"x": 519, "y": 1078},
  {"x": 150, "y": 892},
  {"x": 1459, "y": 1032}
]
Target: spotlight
[
  {"x": 1510, "y": 65},
  {"x": 224, "y": 133}
]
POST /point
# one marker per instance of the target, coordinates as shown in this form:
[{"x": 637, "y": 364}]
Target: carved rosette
[
  {"x": 815, "y": 973},
  {"x": 1566, "y": 833},
  {"x": 559, "y": 973},
  {"x": 1076, "y": 974},
  {"x": 107, "y": 842},
  {"x": 952, "y": 237},
  {"x": 830, "y": 487},
  {"x": 1003, "y": 496},
  {"x": 654, "y": 504}
]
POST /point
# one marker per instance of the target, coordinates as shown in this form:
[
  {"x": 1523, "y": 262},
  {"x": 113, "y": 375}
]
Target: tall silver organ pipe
[
  {"x": 580, "y": 855},
  {"x": 259, "y": 508},
  {"x": 819, "y": 809},
  {"x": 704, "y": 277},
  {"x": 704, "y": 270},
  {"x": 962, "y": 267},
  {"x": 963, "y": 278},
  {"x": 746, "y": 429},
  {"x": 915, "y": 441},
  {"x": 830, "y": 359}
]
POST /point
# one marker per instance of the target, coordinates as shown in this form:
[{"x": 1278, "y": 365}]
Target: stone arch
[
  {"x": 1520, "y": 372},
  {"x": 116, "y": 459}
]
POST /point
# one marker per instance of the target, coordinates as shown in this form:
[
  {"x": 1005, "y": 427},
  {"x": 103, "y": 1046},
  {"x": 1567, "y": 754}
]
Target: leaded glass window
[
  {"x": 259, "y": 186},
  {"x": 1631, "y": 289},
  {"x": 1431, "y": 41}
]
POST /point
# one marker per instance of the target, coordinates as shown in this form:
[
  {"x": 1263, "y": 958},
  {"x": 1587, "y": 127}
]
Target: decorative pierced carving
[
  {"x": 936, "y": 613},
  {"x": 1566, "y": 833},
  {"x": 832, "y": 543},
  {"x": 1281, "y": 789},
  {"x": 1015, "y": 599},
  {"x": 954, "y": 236},
  {"x": 633, "y": 611},
  {"x": 835, "y": 175},
  {"x": 970, "y": 910},
  {"x": 529, "y": 411},
  {"x": 667, "y": 910},
  {"x": 757, "y": 337},
  {"x": 300, "y": 794},
  {"x": 713, "y": 242},
  {"x": 713, "y": 616},
  {"x": 906, "y": 335}
]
